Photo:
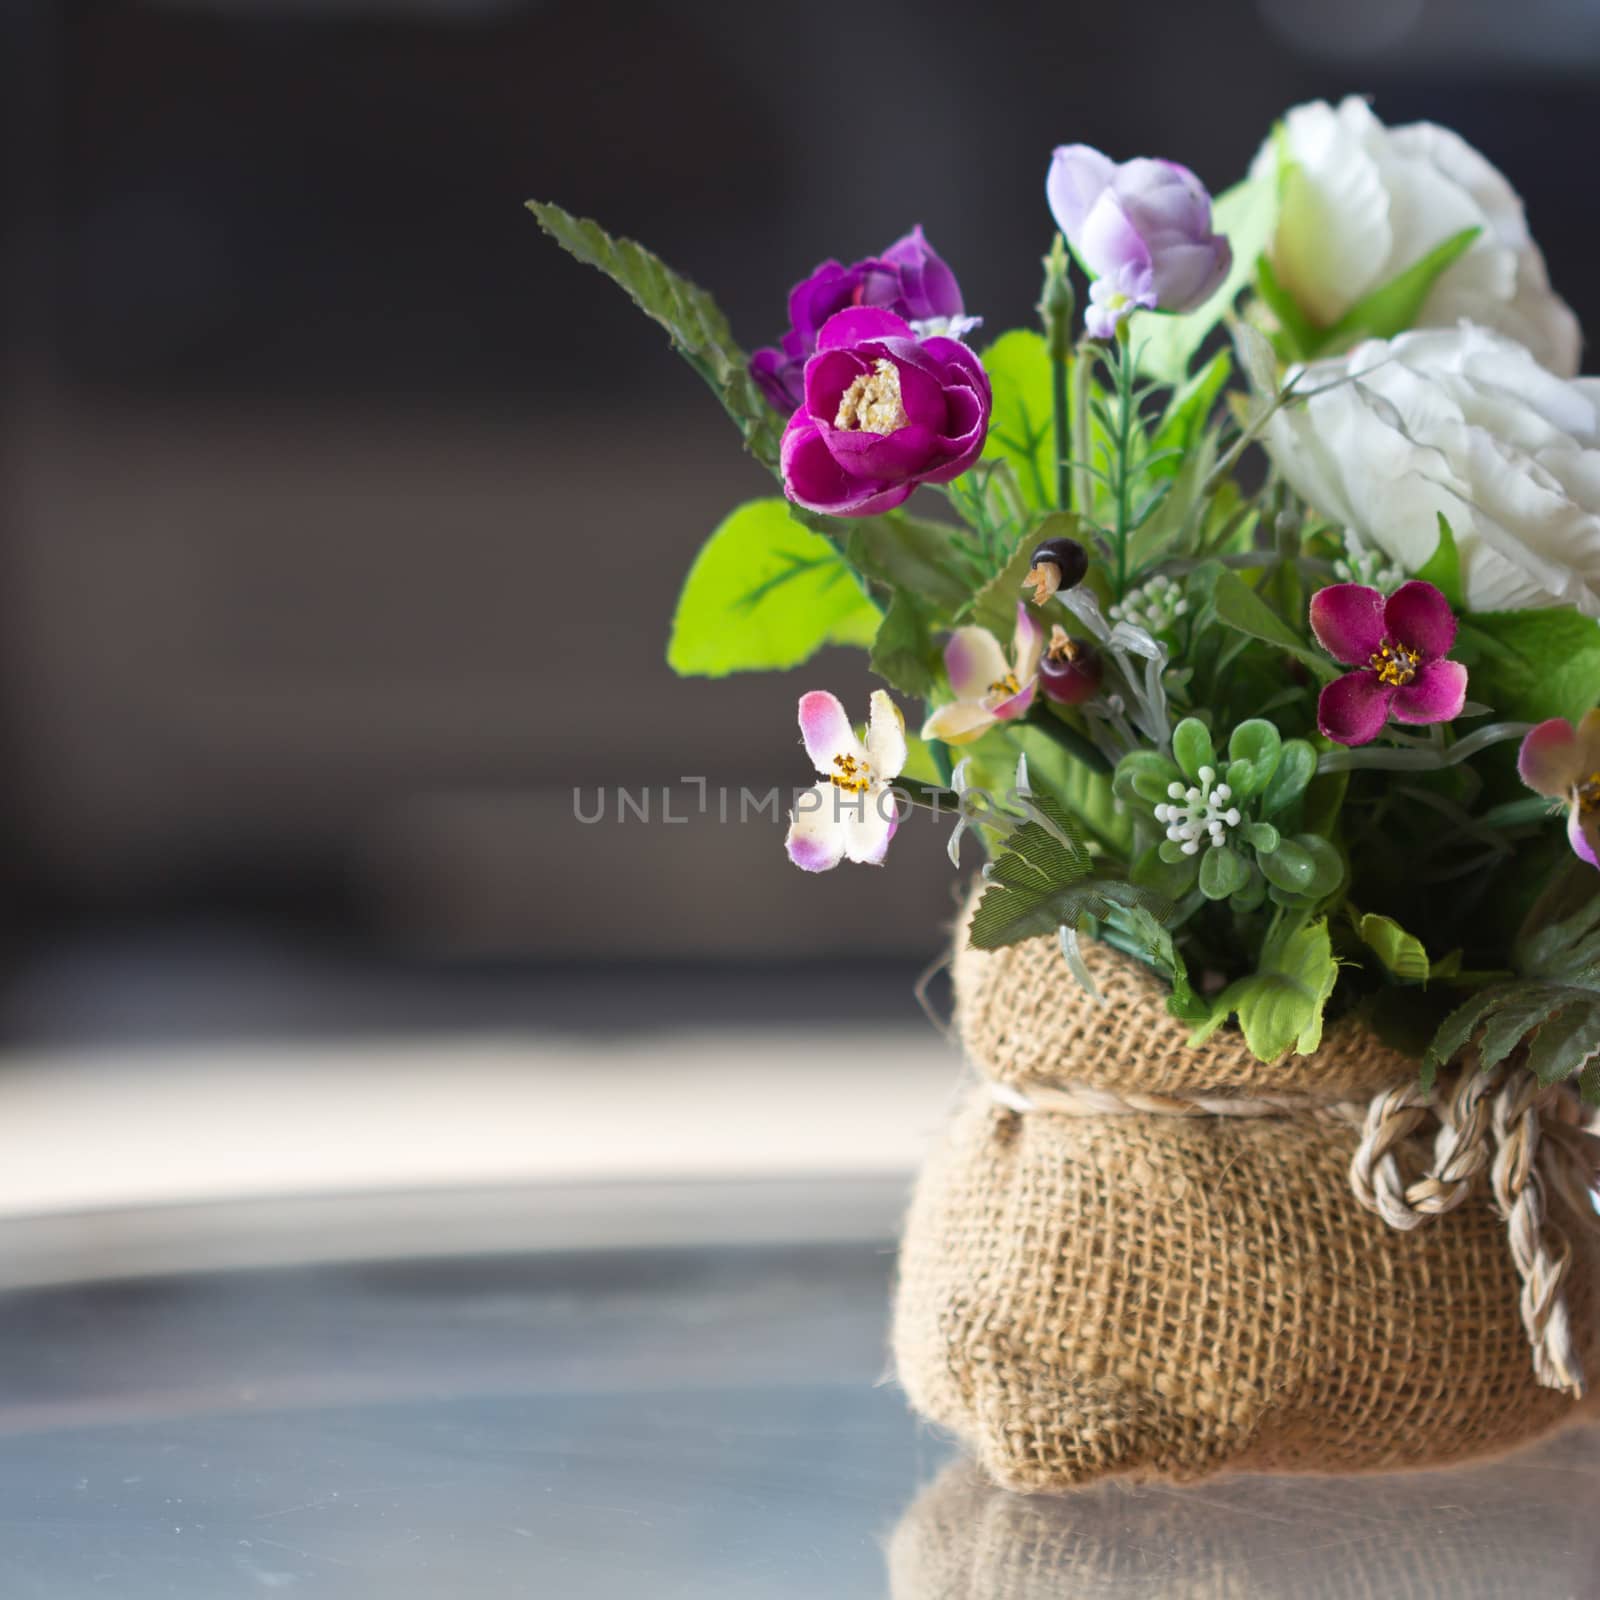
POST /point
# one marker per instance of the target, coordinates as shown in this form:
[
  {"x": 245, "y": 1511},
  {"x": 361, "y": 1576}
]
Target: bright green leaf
[
  {"x": 1255, "y": 745},
  {"x": 1530, "y": 665},
  {"x": 764, "y": 594},
  {"x": 1222, "y": 872},
  {"x": 1192, "y": 748},
  {"x": 1297, "y": 765},
  {"x": 1280, "y": 1005},
  {"x": 1022, "y": 421},
  {"x": 1238, "y": 605},
  {"x": 1402, "y": 953},
  {"x": 1393, "y": 307}
]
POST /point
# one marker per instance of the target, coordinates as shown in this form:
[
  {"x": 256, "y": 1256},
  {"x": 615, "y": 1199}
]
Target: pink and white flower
[
  {"x": 988, "y": 689},
  {"x": 849, "y": 814},
  {"x": 1562, "y": 762}
]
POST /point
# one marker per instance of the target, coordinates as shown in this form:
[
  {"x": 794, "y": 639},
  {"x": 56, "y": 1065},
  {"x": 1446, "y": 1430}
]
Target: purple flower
[
  {"x": 1141, "y": 230},
  {"x": 883, "y": 411},
  {"x": 1398, "y": 647},
  {"x": 1563, "y": 763},
  {"x": 909, "y": 279}
]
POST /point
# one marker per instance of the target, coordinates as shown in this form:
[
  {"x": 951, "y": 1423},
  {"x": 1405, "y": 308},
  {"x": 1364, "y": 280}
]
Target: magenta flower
[
  {"x": 883, "y": 411},
  {"x": 909, "y": 279},
  {"x": 1563, "y": 762},
  {"x": 1398, "y": 647},
  {"x": 1141, "y": 230}
]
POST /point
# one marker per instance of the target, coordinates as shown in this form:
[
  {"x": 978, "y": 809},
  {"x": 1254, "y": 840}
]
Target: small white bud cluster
[
  {"x": 1153, "y": 606},
  {"x": 1366, "y": 567},
  {"x": 1199, "y": 813}
]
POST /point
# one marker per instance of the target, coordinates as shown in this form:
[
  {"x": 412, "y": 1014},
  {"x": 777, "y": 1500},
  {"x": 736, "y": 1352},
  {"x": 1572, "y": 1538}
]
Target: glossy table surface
[{"x": 706, "y": 1415}]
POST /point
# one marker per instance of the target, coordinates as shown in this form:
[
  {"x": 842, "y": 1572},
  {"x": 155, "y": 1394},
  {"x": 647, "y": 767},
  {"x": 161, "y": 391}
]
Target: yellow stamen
[
  {"x": 872, "y": 404},
  {"x": 1395, "y": 665},
  {"x": 854, "y": 777},
  {"x": 1586, "y": 794},
  {"x": 1004, "y": 688}
]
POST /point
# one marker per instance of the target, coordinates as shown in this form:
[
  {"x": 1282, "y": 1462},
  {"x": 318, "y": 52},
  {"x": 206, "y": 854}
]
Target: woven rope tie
[{"x": 1528, "y": 1136}]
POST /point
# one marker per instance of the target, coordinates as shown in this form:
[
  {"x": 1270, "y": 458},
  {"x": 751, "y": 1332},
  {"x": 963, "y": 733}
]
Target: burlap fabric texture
[{"x": 1163, "y": 1296}]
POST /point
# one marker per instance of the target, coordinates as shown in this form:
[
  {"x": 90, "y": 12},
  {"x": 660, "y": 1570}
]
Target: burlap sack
[
  {"x": 1481, "y": 1531},
  {"x": 1083, "y": 1296}
]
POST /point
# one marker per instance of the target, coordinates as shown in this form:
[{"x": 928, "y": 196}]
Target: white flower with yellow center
[{"x": 849, "y": 814}]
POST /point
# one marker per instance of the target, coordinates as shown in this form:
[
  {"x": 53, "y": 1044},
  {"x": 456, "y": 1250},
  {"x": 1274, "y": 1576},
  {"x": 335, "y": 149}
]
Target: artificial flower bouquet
[{"x": 1252, "y": 623}]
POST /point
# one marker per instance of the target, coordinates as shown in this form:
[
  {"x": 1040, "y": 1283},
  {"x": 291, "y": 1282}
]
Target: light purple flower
[
  {"x": 909, "y": 279},
  {"x": 1563, "y": 763},
  {"x": 1141, "y": 230},
  {"x": 882, "y": 412},
  {"x": 849, "y": 813},
  {"x": 987, "y": 687},
  {"x": 1398, "y": 646}
]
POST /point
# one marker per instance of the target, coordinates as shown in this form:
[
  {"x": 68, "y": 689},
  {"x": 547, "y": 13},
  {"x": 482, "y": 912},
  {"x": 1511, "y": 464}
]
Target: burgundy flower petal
[
  {"x": 1347, "y": 619},
  {"x": 1354, "y": 708},
  {"x": 1436, "y": 694},
  {"x": 1419, "y": 617},
  {"x": 857, "y": 324}
]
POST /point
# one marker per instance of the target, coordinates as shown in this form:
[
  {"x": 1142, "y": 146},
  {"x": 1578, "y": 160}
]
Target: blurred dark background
[{"x": 343, "y": 515}]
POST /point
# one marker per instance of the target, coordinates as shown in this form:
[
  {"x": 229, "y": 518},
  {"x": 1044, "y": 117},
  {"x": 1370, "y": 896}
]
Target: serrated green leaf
[
  {"x": 765, "y": 594},
  {"x": 1510, "y": 1022},
  {"x": 911, "y": 554},
  {"x": 691, "y": 317},
  {"x": 1566, "y": 1041},
  {"x": 904, "y": 654},
  {"x": 1022, "y": 419}
]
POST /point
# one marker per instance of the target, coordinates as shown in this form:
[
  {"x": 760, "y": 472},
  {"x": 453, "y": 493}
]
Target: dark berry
[{"x": 1070, "y": 669}]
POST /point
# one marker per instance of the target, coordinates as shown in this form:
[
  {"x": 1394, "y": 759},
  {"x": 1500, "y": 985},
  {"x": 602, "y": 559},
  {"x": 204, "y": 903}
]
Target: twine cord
[{"x": 1528, "y": 1136}]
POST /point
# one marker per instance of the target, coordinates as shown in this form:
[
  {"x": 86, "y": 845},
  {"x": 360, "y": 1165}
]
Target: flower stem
[{"x": 1055, "y": 312}]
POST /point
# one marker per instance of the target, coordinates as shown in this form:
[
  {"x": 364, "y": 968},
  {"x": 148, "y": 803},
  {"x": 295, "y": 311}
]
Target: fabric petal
[
  {"x": 1550, "y": 761},
  {"x": 1347, "y": 619},
  {"x": 1110, "y": 246},
  {"x": 1583, "y": 833},
  {"x": 817, "y": 830},
  {"x": 827, "y": 375},
  {"x": 1079, "y": 175},
  {"x": 973, "y": 660},
  {"x": 1027, "y": 643},
  {"x": 855, "y": 324},
  {"x": 1016, "y": 705},
  {"x": 1418, "y": 616},
  {"x": 1436, "y": 694},
  {"x": 814, "y": 479},
  {"x": 960, "y": 722},
  {"x": 886, "y": 738},
  {"x": 1354, "y": 708},
  {"x": 827, "y": 732},
  {"x": 869, "y": 825}
]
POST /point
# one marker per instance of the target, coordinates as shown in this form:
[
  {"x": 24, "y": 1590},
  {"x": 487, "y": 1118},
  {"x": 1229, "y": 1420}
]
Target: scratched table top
[{"x": 704, "y": 1414}]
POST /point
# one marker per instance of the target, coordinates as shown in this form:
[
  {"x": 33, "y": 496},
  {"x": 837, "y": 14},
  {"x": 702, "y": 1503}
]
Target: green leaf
[
  {"x": 1520, "y": 1011},
  {"x": 764, "y": 594},
  {"x": 1393, "y": 307},
  {"x": 1253, "y": 752},
  {"x": 1248, "y": 214},
  {"x": 1086, "y": 793},
  {"x": 1530, "y": 665},
  {"x": 1402, "y": 953},
  {"x": 1191, "y": 746},
  {"x": 1188, "y": 411},
  {"x": 1044, "y": 880},
  {"x": 1443, "y": 568},
  {"x": 1290, "y": 867},
  {"x": 1022, "y": 421},
  {"x": 1143, "y": 776},
  {"x": 1222, "y": 872},
  {"x": 903, "y": 652},
  {"x": 1297, "y": 766},
  {"x": 695, "y": 325},
  {"x": 910, "y": 553},
  {"x": 1299, "y": 336},
  {"x": 1239, "y": 606},
  {"x": 1260, "y": 836},
  {"x": 1565, "y": 1042},
  {"x": 1153, "y": 945},
  {"x": 1280, "y": 1005}
]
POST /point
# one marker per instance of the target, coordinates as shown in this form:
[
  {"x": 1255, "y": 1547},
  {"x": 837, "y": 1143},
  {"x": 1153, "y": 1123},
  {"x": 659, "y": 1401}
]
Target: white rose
[
  {"x": 1365, "y": 202},
  {"x": 1465, "y": 423}
]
